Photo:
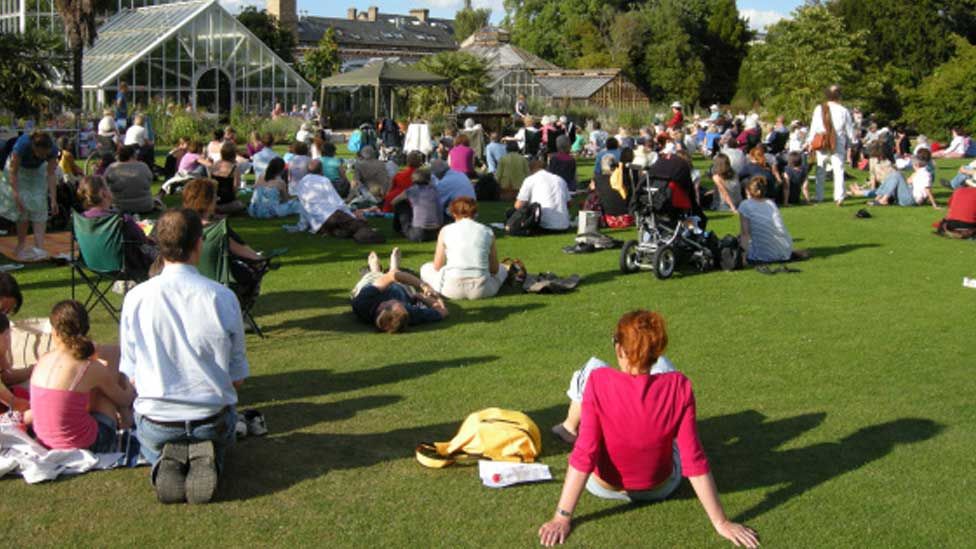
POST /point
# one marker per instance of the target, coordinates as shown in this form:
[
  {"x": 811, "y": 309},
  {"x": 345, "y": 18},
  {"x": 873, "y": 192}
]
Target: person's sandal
[
  {"x": 201, "y": 480},
  {"x": 564, "y": 434},
  {"x": 170, "y": 474}
]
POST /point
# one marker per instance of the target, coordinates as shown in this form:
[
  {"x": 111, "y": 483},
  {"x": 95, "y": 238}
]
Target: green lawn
[{"x": 835, "y": 404}]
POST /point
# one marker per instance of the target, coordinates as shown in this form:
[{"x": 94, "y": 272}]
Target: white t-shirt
[
  {"x": 921, "y": 182},
  {"x": 468, "y": 245},
  {"x": 106, "y": 127},
  {"x": 550, "y": 192},
  {"x": 135, "y": 135}
]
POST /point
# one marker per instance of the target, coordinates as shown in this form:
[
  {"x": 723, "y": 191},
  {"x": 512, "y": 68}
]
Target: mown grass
[{"x": 835, "y": 404}]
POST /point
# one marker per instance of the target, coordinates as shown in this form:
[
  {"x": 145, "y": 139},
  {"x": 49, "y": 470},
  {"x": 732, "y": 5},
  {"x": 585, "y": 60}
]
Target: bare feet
[
  {"x": 395, "y": 257},
  {"x": 374, "y": 263}
]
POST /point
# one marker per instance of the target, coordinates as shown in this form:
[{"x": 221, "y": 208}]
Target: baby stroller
[{"x": 667, "y": 236}]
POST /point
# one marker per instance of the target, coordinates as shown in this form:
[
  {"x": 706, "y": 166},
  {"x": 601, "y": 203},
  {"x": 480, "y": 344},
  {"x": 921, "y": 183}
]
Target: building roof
[
  {"x": 383, "y": 74},
  {"x": 130, "y": 34},
  {"x": 492, "y": 44},
  {"x": 574, "y": 84},
  {"x": 388, "y": 31}
]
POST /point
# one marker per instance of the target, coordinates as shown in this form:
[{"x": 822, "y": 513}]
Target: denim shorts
[{"x": 107, "y": 439}]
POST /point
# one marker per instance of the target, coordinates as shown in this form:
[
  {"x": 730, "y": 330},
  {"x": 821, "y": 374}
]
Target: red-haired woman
[{"x": 638, "y": 434}]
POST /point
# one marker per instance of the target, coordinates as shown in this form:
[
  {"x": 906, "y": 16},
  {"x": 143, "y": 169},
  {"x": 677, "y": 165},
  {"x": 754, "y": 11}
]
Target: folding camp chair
[
  {"x": 100, "y": 261},
  {"x": 215, "y": 264}
]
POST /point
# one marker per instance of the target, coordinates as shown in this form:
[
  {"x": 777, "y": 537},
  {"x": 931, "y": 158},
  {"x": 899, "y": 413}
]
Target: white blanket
[{"x": 23, "y": 455}]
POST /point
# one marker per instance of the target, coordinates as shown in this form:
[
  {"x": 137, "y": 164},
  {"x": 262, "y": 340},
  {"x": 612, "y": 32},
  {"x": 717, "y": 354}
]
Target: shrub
[{"x": 947, "y": 98}]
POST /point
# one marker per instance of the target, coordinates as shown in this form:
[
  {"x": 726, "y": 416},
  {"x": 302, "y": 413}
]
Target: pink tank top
[{"x": 61, "y": 417}]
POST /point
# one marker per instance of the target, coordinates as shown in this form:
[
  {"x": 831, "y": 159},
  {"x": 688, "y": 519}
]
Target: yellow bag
[{"x": 492, "y": 433}]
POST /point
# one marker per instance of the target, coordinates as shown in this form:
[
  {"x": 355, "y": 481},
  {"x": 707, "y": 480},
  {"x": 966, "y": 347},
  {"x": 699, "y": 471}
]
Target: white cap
[
  {"x": 676, "y": 105},
  {"x": 713, "y": 108}
]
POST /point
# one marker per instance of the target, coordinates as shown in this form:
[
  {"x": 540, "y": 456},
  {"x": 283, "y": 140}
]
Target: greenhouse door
[{"x": 213, "y": 92}]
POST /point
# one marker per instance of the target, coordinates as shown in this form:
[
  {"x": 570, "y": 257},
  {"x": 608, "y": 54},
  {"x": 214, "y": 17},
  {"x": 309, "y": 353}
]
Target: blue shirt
[
  {"x": 121, "y": 106},
  {"x": 453, "y": 185},
  {"x": 25, "y": 152},
  {"x": 598, "y": 170},
  {"x": 493, "y": 154},
  {"x": 368, "y": 300},
  {"x": 182, "y": 340}
]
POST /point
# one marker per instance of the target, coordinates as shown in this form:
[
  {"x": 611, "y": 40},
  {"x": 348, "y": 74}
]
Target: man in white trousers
[{"x": 843, "y": 128}]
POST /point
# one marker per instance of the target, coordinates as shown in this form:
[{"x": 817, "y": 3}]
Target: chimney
[
  {"x": 372, "y": 14},
  {"x": 422, "y": 15},
  {"x": 351, "y": 14},
  {"x": 286, "y": 12}
]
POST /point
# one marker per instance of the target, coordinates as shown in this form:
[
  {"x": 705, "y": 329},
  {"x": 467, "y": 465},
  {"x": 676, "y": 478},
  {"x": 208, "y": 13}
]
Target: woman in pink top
[
  {"x": 637, "y": 434},
  {"x": 461, "y": 157},
  {"x": 77, "y": 398}
]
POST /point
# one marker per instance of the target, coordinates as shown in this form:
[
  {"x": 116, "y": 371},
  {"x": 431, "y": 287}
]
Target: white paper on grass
[{"x": 499, "y": 474}]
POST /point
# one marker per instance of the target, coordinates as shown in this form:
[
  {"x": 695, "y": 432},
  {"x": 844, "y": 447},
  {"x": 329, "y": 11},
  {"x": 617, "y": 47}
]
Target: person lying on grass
[
  {"x": 78, "y": 399},
  {"x": 389, "y": 301},
  {"x": 638, "y": 435}
]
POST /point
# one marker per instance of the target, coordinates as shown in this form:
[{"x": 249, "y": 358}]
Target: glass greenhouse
[{"x": 192, "y": 54}]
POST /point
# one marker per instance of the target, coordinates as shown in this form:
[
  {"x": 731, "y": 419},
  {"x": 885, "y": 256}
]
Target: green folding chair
[
  {"x": 100, "y": 261},
  {"x": 215, "y": 262}
]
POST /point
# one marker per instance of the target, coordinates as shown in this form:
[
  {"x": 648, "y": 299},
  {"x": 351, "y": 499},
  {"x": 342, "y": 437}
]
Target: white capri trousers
[{"x": 475, "y": 287}]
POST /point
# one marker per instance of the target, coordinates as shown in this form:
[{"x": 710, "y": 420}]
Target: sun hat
[{"x": 676, "y": 105}]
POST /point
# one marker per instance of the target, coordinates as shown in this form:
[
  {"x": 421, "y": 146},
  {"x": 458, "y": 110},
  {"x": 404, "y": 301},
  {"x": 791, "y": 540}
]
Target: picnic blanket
[
  {"x": 54, "y": 243},
  {"x": 20, "y": 454}
]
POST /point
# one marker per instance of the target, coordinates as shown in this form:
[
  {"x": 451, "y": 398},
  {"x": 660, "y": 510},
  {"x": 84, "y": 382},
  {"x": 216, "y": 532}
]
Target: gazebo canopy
[{"x": 383, "y": 74}]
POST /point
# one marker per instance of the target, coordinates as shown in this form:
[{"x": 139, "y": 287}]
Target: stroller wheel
[
  {"x": 629, "y": 258},
  {"x": 664, "y": 262}
]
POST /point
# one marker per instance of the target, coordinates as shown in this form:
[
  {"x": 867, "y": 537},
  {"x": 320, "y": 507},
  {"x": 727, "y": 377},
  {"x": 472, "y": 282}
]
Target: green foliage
[
  {"x": 269, "y": 30},
  {"x": 323, "y": 61},
  {"x": 670, "y": 67},
  {"x": 468, "y": 21},
  {"x": 914, "y": 35},
  {"x": 726, "y": 44},
  {"x": 947, "y": 98},
  {"x": 31, "y": 62},
  {"x": 468, "y": 86},
  {"x": 799, "y": 60}
]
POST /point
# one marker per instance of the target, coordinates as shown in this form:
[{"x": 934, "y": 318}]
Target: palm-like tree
[{"x": 78, "y": 17}]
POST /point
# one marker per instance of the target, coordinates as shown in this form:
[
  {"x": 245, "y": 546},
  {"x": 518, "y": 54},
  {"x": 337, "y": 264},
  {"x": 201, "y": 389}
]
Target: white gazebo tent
[{"x": 187, "y": 53}]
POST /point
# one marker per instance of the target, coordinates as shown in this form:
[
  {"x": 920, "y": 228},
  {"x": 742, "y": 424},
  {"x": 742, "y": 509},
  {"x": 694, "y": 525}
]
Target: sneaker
[
  {"x": 170, "y": 477},
  {"x": 40, "y": 253},
  {"x": 945, "y": 183},
  {"x": 241, "y": 428},
  {"x": 26, "y": 254},
  {"x": 201, "y": 480},
  {"x": 256, "y": 426}
]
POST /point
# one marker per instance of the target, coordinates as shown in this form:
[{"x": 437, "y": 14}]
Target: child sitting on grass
[{"x": 8, "y": 398}]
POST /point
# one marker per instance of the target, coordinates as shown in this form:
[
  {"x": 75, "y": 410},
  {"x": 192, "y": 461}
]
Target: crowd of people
[{"x": 181, "y": 354}]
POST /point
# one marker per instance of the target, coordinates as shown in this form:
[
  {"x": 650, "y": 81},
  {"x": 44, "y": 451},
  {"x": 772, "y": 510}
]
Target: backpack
[
  {"x": 730, "y": 256},
  {"x": 355, "y": 142},
  {"x": 492, "y": 433},
  {"x": 524, "y": 221}
]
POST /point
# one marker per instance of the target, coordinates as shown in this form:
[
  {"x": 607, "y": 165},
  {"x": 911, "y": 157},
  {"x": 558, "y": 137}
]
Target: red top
[
  {"x": 962, "y": 205},
  {"x": 461, "y": 159},
  {"x": 629, "y": 424},
  {"x": 677, "y": 120},
  {"x": 401, "y": 182}
]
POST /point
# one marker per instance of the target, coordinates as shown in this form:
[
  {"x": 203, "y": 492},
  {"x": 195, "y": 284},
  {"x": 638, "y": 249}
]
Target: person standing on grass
[
  {"x": 638, "y": 434},
  {"x": 29, "y": 182},
  {"x": 836, "y": 141},
  {"x": 182, "y": 339}
]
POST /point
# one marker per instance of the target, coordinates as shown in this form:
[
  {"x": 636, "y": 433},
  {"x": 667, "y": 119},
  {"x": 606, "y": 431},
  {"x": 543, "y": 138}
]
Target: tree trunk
[{"x": 76, "y": 54}]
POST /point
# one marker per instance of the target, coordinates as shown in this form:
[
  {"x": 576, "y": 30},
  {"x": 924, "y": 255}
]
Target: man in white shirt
[
  {"x": 550, "y": 192},
  {"x": 843, "y": 125},
  {"x": 182, "y": 346},
  {"x": 137, "y": 136},
  {"x": 325, "y": 212}
]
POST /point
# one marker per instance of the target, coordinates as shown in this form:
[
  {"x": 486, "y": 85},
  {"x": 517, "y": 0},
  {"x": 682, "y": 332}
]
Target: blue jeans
[
  {"x": 152, "y": 436},
  {"x": 895, "y": 186},
  {"x": 959, "y": 180}
]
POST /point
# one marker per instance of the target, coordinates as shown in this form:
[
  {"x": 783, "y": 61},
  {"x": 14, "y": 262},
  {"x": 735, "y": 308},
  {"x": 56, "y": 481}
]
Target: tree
[
  {"x": 468, "y": 83},
  {"x": 78, "y": 18},
  {"x": 946, "y": 98},
  {"x": 799, "y": 60},
  {"x": 468, "y": 21},
  {"x": 323, "y": 61},
  {"x": 33, "y": 63},
  {"x": 269, "y": 30},
  {"x": 726, "y": 44},
  {"x": 670, "y": 68}
]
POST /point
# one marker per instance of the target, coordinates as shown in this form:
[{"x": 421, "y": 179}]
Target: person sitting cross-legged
[
  {"x": 417, "y": 210},
  {"x": 182, "y": 339},
  {"x": 390, "y": 300},
  {"x": 638, "y": 434},
  {"x": 465, "y": 262}
]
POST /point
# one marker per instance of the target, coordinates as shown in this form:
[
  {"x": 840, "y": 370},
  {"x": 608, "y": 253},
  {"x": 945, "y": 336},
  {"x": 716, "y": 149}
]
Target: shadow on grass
[
  {"x": 292, "y": 300},
  {"x": 742, "y": 449},
  {"x": 827, "y": 251},
  {"x": 270, "y": 465},
  {"x": 314, "y": 383},
  {"x": 292, "y": 416}
]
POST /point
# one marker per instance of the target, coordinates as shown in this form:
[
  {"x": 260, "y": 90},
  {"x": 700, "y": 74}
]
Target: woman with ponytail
[
  {"x": 77, "y": 399},
  {"x": 635, "y": 432}
]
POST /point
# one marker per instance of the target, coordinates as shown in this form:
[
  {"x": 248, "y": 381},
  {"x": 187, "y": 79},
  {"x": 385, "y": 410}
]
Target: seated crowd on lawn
[{"x": 181, "y": 354}]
